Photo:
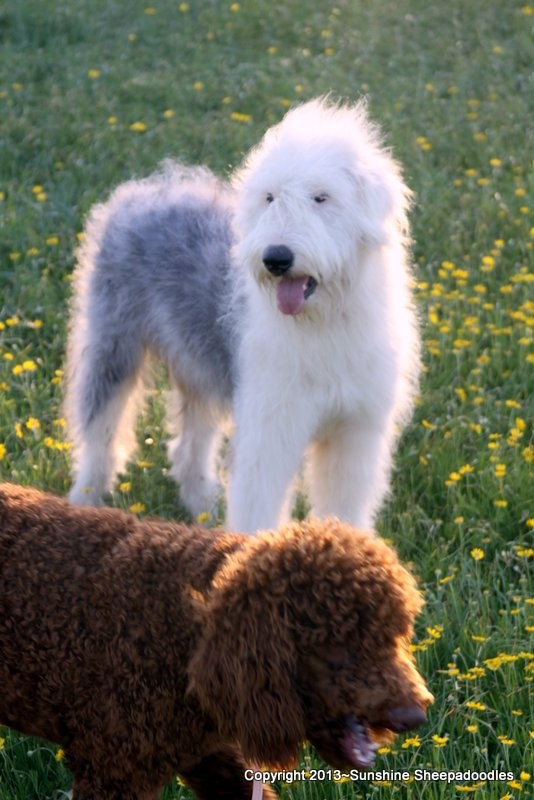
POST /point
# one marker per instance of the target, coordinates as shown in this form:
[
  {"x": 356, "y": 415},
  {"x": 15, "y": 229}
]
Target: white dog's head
[{"x": 317, "y": 189}]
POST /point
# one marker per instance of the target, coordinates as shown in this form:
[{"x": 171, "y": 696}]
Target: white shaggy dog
[{"x": 284, "y": 299}]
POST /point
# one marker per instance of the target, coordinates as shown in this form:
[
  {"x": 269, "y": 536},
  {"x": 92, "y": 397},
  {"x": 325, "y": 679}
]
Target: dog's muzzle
[
  {"x": 278, "y": 259},
  {"x": 292, "y": 290}
]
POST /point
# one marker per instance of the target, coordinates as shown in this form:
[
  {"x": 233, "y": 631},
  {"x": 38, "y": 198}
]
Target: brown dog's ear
[{"x": 244, "y": 668}]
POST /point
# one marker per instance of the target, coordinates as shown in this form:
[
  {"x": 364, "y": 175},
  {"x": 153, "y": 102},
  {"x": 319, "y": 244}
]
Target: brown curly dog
[{"x": 147, "y": 648}]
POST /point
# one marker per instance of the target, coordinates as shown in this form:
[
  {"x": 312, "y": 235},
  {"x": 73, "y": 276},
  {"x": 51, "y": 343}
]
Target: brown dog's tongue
[{"x": 290, "y": 295}]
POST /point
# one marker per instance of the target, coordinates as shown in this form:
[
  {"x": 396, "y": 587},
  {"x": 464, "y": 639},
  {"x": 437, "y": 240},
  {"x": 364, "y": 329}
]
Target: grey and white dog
[{"x": 282, "y": 299}]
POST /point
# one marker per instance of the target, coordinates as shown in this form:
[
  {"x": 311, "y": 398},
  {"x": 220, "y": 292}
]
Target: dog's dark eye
[
  {"x": 269, "y": 197},
  {"x": 320, "y": 198}
]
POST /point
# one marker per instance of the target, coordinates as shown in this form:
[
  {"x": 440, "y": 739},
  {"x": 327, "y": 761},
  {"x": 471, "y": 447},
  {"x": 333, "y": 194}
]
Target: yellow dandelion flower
[
  {"x": 472, "y": 728},
  {"x": 506, "y": 740},
  {"x": 500, "y": 503},
  {"x": 413, "y": 741},
  {"x": 33, "y": 424},
  {"x": 52, "y": 240},
  {"x": 493, "y": 663},
  {"x": 500, "y": 470},
  {"x": 237, "y": 116},
  {"x": 204, "y": 517},
  {"x": 2, "y": 450},
  {"x": 440, "y": 741},
  {"x": 138, "y": 127},
  {"x": 93, "y": 74},
  {"x": 466, "y": 469},
  {"x": 528, "y": 11},
  {"x": 17, "y": 369},
  {"x": 29, "y": 366},
  {"x": 198, "y": 86},
  {"x": 19, "y": 433},
  {"x": 524, "y": 776},
  {"x": 137, "y": 508},
  {"x": 480, "y": 136},
  {"x": 235, "y": 7},
  {"x": 60, "y": 754},
  {"x": 183, "y": 7},
  {"x": 477, "y": 554},
  {"x": 168, "y": 113},
  {"x": 125, "y": 486},
  {"x": 144, "y": 464},
  {"x": 112, "y": 120}
]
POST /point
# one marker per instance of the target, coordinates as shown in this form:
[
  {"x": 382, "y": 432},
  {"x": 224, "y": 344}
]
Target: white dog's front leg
[
  {"x": 349, "y": 470},
  {"x": 266, "y": 455}
]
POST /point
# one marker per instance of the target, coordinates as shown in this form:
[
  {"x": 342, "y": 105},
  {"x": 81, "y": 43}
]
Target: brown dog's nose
[{"x": 405, "y": 718}]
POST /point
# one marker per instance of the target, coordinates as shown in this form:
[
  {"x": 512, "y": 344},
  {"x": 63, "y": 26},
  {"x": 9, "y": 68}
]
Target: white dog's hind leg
[
  {"x": 192, "y": 457},
  {"x": 104, "y": 446},
  {"x": 348, "y": 471}
]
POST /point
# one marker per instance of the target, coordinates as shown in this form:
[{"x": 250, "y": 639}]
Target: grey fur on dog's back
[{"x": 154, "y": 275}]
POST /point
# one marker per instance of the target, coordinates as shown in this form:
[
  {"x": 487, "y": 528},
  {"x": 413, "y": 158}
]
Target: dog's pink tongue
[{"x": 290, "y": 295}]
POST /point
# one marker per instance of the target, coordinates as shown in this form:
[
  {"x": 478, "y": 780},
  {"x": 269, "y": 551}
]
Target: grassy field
[{"x": 94, "y": 92}]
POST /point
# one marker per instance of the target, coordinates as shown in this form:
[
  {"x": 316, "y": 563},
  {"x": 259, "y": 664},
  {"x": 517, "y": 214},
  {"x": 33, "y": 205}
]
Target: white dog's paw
[
  {"x": 202, "y": 498},
  {"x": 81, "y": 495}
]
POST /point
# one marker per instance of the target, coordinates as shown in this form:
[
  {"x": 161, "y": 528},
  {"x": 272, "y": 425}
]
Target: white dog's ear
[{"x": 382, "y": 202}]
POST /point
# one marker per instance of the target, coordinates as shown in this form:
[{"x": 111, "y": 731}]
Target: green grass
[{"x": 451, "y": 84}]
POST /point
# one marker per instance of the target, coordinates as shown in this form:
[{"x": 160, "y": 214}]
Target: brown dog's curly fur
[{"x": 148, "y": 648}]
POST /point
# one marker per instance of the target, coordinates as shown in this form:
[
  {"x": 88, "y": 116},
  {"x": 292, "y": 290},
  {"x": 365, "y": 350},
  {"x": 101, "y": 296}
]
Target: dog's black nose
[
  {"x": 405, "y": 718},
  {"x": 278, "y": 258}
]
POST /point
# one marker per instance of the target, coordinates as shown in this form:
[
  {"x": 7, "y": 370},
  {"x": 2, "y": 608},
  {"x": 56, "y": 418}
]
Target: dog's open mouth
[
  {"x": 292, "y": 293},
  {"x": 357, "y": 745},
  {"x": 349, "y": 742}
]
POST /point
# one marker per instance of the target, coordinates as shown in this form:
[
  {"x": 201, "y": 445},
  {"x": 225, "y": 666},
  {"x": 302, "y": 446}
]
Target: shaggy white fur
[
  {"x": 337, "y": 370},
  {"x": 306, "y": 330}
]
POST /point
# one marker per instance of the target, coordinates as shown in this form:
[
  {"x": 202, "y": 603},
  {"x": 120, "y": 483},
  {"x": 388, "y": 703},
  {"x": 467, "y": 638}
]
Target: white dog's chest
[{"x": 330, "y": 376}]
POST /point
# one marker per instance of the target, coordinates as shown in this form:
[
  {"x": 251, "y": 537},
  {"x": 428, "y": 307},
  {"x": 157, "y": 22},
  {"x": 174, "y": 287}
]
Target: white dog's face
[{"x": 307, "y": 205}]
